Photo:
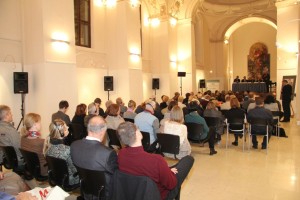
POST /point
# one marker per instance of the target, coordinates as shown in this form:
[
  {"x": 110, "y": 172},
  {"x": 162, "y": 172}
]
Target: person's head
[
  {"x": 259, "y": 101},
  {"x": 172, "y": 104},
  {"x": 108, "y": 103},
  {"x": 284, "y": 82},
  {"x": 176, "y": 114},
  {"x": 165, "y": 98},
  {"x": 180, "y": 99},
  {"x": 251, "y": 95},
  {"x": 210, "y": 106},
  {"x": 150, "y": 106},
  {"x": 80, "y": 109},
  {"x": 58, "y": 129},
  {"x": 129, "y": 134},
  {"x": 97, "y": 102},
  {"x": 227, "y": 97},
  {"x": 97, "y": 127},
  {"x": 234, "y": 103},
  {"x": 131, "y": 104},
  {"x": 63, "y": 105},
  {"x": 269, "y": 99},
  {"x": 92, "y": 109},
  {"x": 193, "y": 106},
  {"x": 187, "y": 95},
  {"x": 32, "y": 122},
  {"x": 113, "y": 110},
  {"x": 5, "y": 114},
  {"x": 119, "y": 101}
]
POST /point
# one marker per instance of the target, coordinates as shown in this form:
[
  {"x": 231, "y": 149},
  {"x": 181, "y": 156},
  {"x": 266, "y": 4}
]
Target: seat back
[
  {"x": 11, "y": 159},
  {"x": 212, "y": 121},
  {"x": 92, "y": 183},
  {"x": 129, "y": 120},
  {"x": 224, "y": 112},
  {"x": 130, "y": 187},
  {"x": 235, "y": 125},
  {"x": 259, "y": 122},
  {"x": 146, "y": 140},
  {"x": 32, "y": 164},
  {"x": 168, "y": 143},
  {"x": 77, "y": 131},
  {"x": 113, "y": 138},
  {"x": 57, "y": 171},
  {"x": 194, "y": 131}
]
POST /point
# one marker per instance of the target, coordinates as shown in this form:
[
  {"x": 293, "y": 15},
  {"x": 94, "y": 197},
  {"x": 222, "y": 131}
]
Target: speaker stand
[
  {"x": 155, "y": 92},
  {"x": 107, "y": 94},
  {"x": 22, "y": 110},
  {"x": 181, "y": 86}
]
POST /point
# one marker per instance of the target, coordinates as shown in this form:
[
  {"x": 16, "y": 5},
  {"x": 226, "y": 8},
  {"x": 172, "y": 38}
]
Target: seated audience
[
  {"x": 56, "y": 148},
  {"x": 226, "y": 105},
  {"x": 9, "y": 136},
  {"x": 61, "y": 113},
  {"x": 235, "y": 113},
  {"x": 163, "y": 104},
  {"x": 251, "y": 99},
  {"x": 180, "y": 102},
  {"x": 207, "y": 135},
  {"x": 113, "y": 118},
  {"x": 147, "y": 122},
  {"x": 175, "y": 126},
  {"x": 140, "y": 108},
  {"x": 31, "y": 139},
  {"x": 12, "y": 184},
  {"x": 97, "y": 102},
  {"x": 130, "y": 114},
  {"x": 134, "y": 160},
  {"x": 186, "y": 99},
  {"x": 92, "y": 111},
  {"x": 260, "y": 112},
  {"x": 80, "y": 114},
  {"x": 176, "y": 95},
  {"x": 100, "y": 157},
  {"x": 120, "y": 103},
  {"x": 269, "y": 103}
]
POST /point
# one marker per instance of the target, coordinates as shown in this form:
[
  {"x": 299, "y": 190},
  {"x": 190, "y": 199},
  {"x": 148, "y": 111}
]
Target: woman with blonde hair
[
  {"x": 56, "y": 148},
  {"x": 31, "y": 139},
  {"x": 175, "y": 126}
]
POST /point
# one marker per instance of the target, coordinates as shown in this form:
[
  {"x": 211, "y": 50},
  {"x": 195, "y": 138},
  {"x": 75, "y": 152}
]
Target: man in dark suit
[
  {"x": 286, "y": 96},
  {"x": 61, "y": 113},
  {"x": 237, "y": 79},
  {"x": 90, "y": 153},
  {"x": 261, "y": 113}
]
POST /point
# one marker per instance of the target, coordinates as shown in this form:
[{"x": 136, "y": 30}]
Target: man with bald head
[{"x": 90, "y": 153}]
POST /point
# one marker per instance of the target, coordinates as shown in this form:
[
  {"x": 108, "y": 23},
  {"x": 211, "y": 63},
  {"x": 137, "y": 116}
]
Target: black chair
[
  {"x": 194, "y": 132},
  {"x": 129, "y": 120},
  {"x": 58, "y": 173},
  {"x": 130, "y": 187},
  {"x": 276, "y": 119},
  {"x": 168, "y": 143},
  {"x": 10, "y": 160},
  {"x": 146, "y": 141},
  {"x": 33, "y": 165},
  {"x": 92, "y": 184},
  {"x": 235, "y": 126},
  {"x": 77, "y": 131},
  {"x": 259, "y": 122},
  {"x": 212, "y": 123},
  {"x": 113, "y": 139}
]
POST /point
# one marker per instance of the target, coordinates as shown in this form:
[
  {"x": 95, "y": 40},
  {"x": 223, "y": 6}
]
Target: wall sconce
[
  {"x": 60, "y": 42},
  {"x": 134, "y": 3},
  {"x": 134, "y": 54},
  {"x": 226, "y": 41},
  {"x": 154, "y": 21},
  {"x": 108, "y": 3},
  {"x": 173, "y": 21}
]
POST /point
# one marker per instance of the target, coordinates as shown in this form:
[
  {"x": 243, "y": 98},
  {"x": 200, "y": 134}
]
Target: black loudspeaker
[
  {"x": 21, "y": 82},
  {"x": 202, "y": 83},
  {"x": 108, "y": 83},
  {"x": 155, "y": 83},
  {"x": 181, "y": 74}
]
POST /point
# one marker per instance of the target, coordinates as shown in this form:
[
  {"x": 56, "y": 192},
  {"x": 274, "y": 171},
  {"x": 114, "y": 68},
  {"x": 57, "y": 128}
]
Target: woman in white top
[{"x": 175, "y": 126}]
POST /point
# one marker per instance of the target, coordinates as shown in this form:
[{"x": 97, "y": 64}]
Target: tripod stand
[{"x": 22, "y": 109}]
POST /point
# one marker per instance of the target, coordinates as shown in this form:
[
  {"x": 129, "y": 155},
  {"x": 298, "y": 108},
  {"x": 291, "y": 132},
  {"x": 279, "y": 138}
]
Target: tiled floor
[{"x": 234, "y": 174}]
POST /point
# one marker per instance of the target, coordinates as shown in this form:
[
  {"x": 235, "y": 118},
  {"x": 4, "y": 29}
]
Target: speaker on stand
[
  {"x": 155, "y": 85},
  {"x": 181, "y": 74},
  {"x": 21, "y": 87},
  {"x": 202, "y": 84},
  {"x": 108, "y": 84}
]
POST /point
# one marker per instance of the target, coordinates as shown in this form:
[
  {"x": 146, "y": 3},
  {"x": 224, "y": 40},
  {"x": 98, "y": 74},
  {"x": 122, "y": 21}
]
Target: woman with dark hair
[
  {"x": 113, "y": 118},
  {"x": 80, "y": 113},
  {"x": 270, "y": 104}
]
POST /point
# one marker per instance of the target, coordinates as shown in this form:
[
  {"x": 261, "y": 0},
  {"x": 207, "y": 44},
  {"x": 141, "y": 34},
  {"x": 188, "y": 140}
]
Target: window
[{"x": 82, "y": 18}]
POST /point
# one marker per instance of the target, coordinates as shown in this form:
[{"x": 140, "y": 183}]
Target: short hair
[
  {"x": 259, "y": 101},
  {"x": 251, "y": 95},
  {"x": 119, "y": 101},
  {"x": 127, "y": 133},
  {"x": 56, "y": 128},
  {"x": 96, "y": 127},
  {"x": 210, "y": 106},
  {"x": 172, "y": 104},
  {"x": 108, "y": 103},
  {"x": 80, "y": 109},
  {"x": 63, "y": 104},
  {"x": 234, "y": 103},
  {"x": 269, "y": 99},
  {"x": 165, "y": 98},
  {"x": 113, "y": 110},
  {"x": 180, "y": 99},
  {"x": 4, "y": 109},
  {"x": 131, "y": 104},
  {"x": 176, "y": 114},
  {"x": 193, "y": 106},
  {"x": 97, "y": 100},
  {"x": 29, "y": 121},
  {"x": 92, "y": 108}
]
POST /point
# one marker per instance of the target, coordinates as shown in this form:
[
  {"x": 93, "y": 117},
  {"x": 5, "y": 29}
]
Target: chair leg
[{"x": 227, "y": 135}]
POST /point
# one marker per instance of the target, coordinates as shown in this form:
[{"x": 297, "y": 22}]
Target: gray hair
[
  {"x": 3, "y": 111},
  {"x": 126, "y": 131},
  {"x": 96, "y": 127}
]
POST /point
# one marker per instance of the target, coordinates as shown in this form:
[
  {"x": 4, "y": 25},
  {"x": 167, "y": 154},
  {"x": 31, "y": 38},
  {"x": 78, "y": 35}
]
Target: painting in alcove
[{"x": 258, "y": 61}]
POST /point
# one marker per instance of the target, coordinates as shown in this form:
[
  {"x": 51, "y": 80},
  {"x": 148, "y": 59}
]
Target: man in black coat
[{"x": 286, "y": 96}]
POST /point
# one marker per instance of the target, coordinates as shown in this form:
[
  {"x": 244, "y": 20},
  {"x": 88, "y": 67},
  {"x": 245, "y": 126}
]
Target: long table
[{"x": 252, "y": 87}]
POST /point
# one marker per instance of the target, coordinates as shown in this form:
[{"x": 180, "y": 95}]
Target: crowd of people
[{"x": 169, "y": 116}]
